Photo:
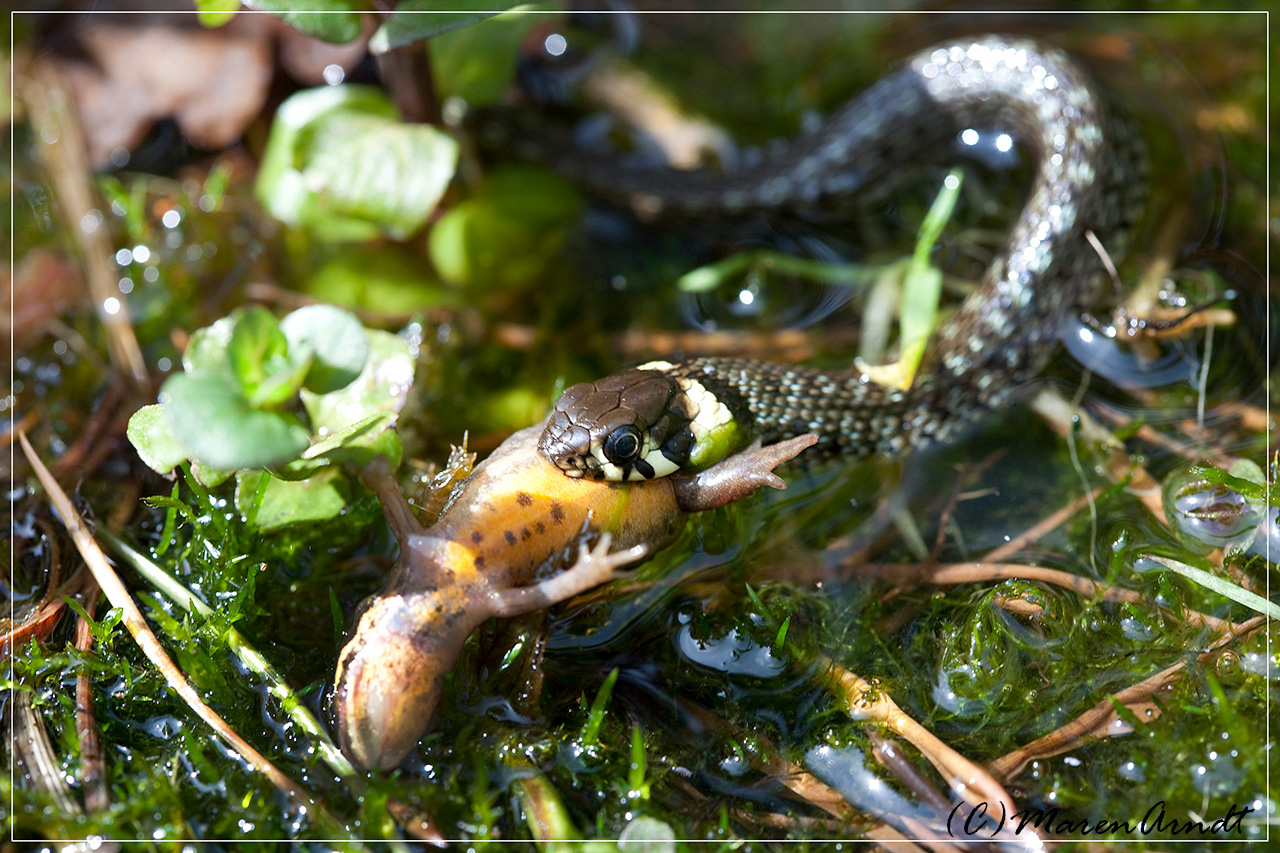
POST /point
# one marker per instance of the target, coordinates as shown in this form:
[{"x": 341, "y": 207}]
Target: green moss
[{"x": 720, "y": 641}]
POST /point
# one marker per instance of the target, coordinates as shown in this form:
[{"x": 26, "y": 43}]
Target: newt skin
[{"x": 510, "y": 517}]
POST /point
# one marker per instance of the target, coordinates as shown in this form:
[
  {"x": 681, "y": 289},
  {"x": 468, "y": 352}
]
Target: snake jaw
[{"x": 567, "y": 444}]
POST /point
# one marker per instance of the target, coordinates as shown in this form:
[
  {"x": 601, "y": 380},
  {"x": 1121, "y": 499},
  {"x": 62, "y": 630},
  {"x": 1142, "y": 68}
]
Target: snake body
[{"x": 1088, "y": 177}]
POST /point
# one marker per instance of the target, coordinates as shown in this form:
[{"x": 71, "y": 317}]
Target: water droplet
[{"x": 555, "y": 44}]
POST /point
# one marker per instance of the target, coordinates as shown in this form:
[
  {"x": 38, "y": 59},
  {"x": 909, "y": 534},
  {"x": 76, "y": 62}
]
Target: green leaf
[
  {"x": 352, "y": 435},
  {"x": 169, "y": 502},
  {"x": 387, "y": 280},
  {"x": 921, "y": 293},
  {"x": 280, "y": 186},
  {"x": 944, "y": 204},
  {"x": 416, "y": 20},
  {"x": 922, "y": 284},
  {"x": 508, "y": 232},
  {"x": 206, "y": 352},
  {"x": 281, "y": 503},
  {"x": 151, "y": 434},
  {"x": 478, "y": 63},
  {"x": 638, "y": 787},
  {"x": 1245, "y": 477},
  {"x": 209, "y": 475},
  {"x": 388, "y": 174},
  {"x": 1222, "y": 586},
  {"x": 282, "y": 384},
  {"x": 532, "y": 194},
  {"x": 340, "y": 164},
  {"x": 257, "y": 348},
  {"x": 769, "y": 261},
  {"x": 382, "y": 387},
  {"x": 644, "y": 834},
  {"x": 215, "y": 13},
  {"x": 335, "y": 21},
  {"x": 213, "y": 421},
  {"x": 357, "y": 446},
  {"x": 336, "y": 341}
]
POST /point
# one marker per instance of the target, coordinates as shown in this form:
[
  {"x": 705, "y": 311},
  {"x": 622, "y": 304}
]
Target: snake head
[{"x": 630, "y": 426}]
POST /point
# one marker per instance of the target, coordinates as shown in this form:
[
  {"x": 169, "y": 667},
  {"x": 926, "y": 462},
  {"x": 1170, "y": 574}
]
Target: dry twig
[{"x": 864, "y": 701}]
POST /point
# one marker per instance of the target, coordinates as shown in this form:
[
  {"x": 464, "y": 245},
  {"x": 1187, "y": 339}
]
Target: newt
[{"x": 503, "y": 524}]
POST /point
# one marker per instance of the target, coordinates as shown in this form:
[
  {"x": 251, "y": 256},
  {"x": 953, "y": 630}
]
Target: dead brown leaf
[{"x": 125, "y": 78}]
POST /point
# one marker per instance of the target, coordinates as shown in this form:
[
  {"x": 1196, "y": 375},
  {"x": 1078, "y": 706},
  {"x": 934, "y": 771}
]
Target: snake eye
[{"x": 622, "y": 447}]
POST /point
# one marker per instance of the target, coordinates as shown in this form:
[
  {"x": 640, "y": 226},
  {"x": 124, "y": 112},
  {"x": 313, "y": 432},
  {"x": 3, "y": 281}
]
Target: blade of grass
[
  {"x": 637, "y": 787},
  {"x": 711, "y": 276},
  {"x": 921, "y": 293},
  {"x": 596, "y": 715},
  {"x": 1223, "y": 587}
]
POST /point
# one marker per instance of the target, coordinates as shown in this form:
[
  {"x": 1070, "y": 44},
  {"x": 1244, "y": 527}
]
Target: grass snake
[{"x": 1089, "y": 176}]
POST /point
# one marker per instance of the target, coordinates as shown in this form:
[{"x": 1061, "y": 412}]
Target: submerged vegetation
[{"x": 1066, "y": 611}]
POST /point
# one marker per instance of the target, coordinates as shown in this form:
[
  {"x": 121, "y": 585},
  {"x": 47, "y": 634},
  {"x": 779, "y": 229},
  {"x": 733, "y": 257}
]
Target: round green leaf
[
  {"x": 475, "y": 63},
  {"x": 218, "y": 428},
  {"x": 385, "y": 173},
  {"x": 341, "y": 164},
  {"x": 294, "y": 131},
  {"x": 508, "y": 232},
  {"x": 336, "y": 341},
  {"x": 215, "y": 13},
  {"x": 272, "y": 503},
  {"x": 383, "y": 386},
  {"x": 408, "y": 24},
  {"x": 152, "y": 436},
  {"x": 386, "y": 279},
  {"x": 257, "y": 348},
  {"x": 206, "y": 352}
]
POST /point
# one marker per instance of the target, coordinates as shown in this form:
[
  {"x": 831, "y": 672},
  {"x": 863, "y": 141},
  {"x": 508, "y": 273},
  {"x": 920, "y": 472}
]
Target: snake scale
[{"x": 1089, "y": 176}]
